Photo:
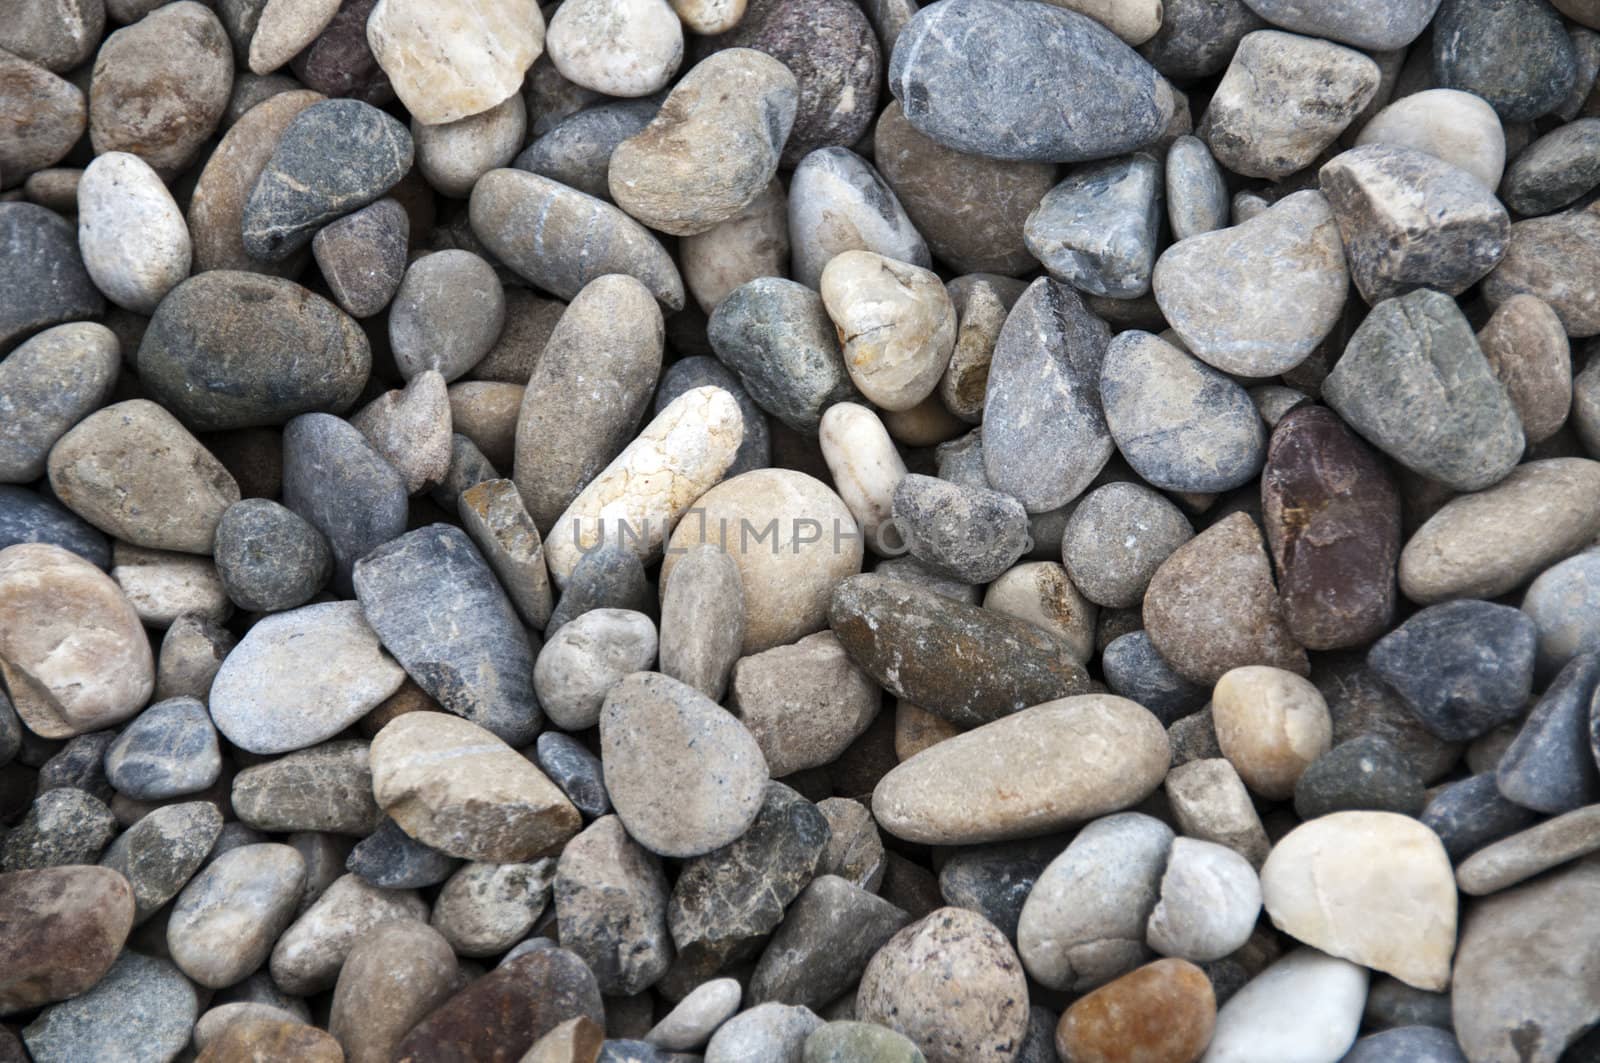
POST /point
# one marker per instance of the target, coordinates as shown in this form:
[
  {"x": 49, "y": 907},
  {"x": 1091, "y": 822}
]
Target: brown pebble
[
  {"x": 271, "y": 1041},
  {"x": 1528, "y": 350},
  {"x": 60, "y": 930},
  {"x": 1163, "y": 1012}
]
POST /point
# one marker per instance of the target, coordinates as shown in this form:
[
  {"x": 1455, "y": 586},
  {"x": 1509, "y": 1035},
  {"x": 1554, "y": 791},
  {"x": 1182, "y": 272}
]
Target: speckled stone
[
  {"x": 1134, "y": 670},
  {"x": 340, "y": 62},
  {"x": 391, "y": 858},
  {"x": 1196, "y": 195},
  {"x": 362, "y": 256},
  {"x": 1530, "y": 355},
  {"x": 1198, "y": 37},
  {"x": 1554, "y": 170},
  {"x": 142, "y": 1005},
  {"x": 1514, "y": 53},
  {"x": 1098, "y": 229},
  {"x": 995, "y": 880},
  {"x": 326, "y": 788},
  {"x": 824, "y": 942},
  {"x": 29, "y": 517},
  {"x": 1366, "y": 773},
  {"x": 1472, "y": 813},
  {"x": 1162, "y": 1011},
  {"x": 268, "y": 557},
  {"x": 839, "y": 202},
  {"x": 63, "y": 826},
  {"x": 224, "y": 922},
  {"x": 41, "y": 265},
  {"x": 611, "y": 904},
  {"x": 1116, "y": 539},
  {"x": 610, "y": 577},
  {"x": 753, "y": 242},
  {"x": 446, "y": 315},
  {"x": 169, "y": 750},
  {"x": 1561, "y": 602},
  {"x": 1407, "y": 1044},
  {"x": 966, "y": 533},
  {"x": 48, "y": 385},
  {"x": 571, "y": 766},
  {"x": 776, "y": 1032},
  {"x": 162, "y": 851},
  {"x": 392, "y": 978},
  {"x": 451, "y": 60},
  {"x": 342, "y": 487},
  {"x": 576, "y": 151},
  {"x": 804, "y": 703},
  {"x": 776, "y": 336}
]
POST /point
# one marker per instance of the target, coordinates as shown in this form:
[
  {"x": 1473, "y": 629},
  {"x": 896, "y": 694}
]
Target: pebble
[
  {"x": 1470, "y": 814},
  {"x": 1116, "y": 539},
  {"x": 1530, "y": 355},
  {"x": 225, "y": 921},
  {"x": 486, "y": 412},
  {"x": 362, "y": 256},
  {"x": 1208, "y": 902},
  {"x": 340, "y": 485},
  {"x": 79, "y": 660},
  {"x": 56, "y": 34},
  {"x": 577, "y": 150},
  {"x": 1366, "y": 773},
  {"x": 855, "y": 850},
  {"x": 847, "y": 1041},
  {"x": 451, "y": 157},
  {"x": 143, "y": 1008},
  {"x": 47, "y": 385},
  {"x": 1305, "y": 1008},
  {"x": 1382, "y": 27},
  {"x": 777, "y": 337},
  {"x": 822, "y": 946},
  {"x": 1225, "y": 292},
  {"x": 1040, "y": 593},
  {"x": 484, "y": 909},
  {"x": 965, "y": 533},
  {"x": 42, "y": 267},
  {"x": 67, "y": 926},
  {"x": 1457, "y": 127},
  {"x": 804, "y": 703},
  {"x": 269, "y": 558},
  {"x": 1559, "y": 600},
  {"x": 255, "y": 1038},
  {"x": 493, "y": 514},
  {"x": 753, "y": 242},
  {"x": 1408, "y": 1044},
  {"x": 1516, "y": 56},
  {"x": 457, "y": 58},
  {"x": 1045, "y": 437},
  {"x": 1134, "y": 670},
  {"x": 446, "y": 314},
  {"x": 702, "y": 621},
  {"x": 560, "y": 239},
  {"x": 1198, "y": 37},
  {"x": 1197, "y": 197},
  {"x": 616, "y": 47},
  {"x": 1164, "y": 1010},
  {"x": 571, "y": 766},
  {"x": 1488, "y": 543},
  {"x": 63, "y": 826},
  {"x": 608, "y": 576},
  {"x": 1098, "y": 229},
  {"x": 1550, "y": 767},
  {"x": 586, "y": 658},
  {"x": 169, "y": 750},
  {"x": 995, "y": 880},
  {"x": 1271, "y": 725},
  {"x": 712, "y": 148},
  {"x": 1521, "y": 856},
  {"x": 766, "y": 1032},
  {"x": 391, "y": 858},
  {"x": 1548, "y": 257},
  {"x": 837, "y": 203},
  {"x": 133, "y": 238},
  {"x": 691, "y": 1024},
  {"x": 611, "y": 906},
  {"x": 310, "y": 953},
  {"x": 987, "y": 785},
  {"x": 135, "y": 105},
  {"x": 897, "y": 325},
  {"x": 989, "y": 112},
  {"x": 982, "y": 303},
  {"x": 1209, "y": 801},
  {"x": 284, "y": 28},
  {"x": 1520, "y": 987},
  {"x": 577, "y": 1040},
  {"x": 327, "y": 788},
  {"x": 162, "y": 851}
]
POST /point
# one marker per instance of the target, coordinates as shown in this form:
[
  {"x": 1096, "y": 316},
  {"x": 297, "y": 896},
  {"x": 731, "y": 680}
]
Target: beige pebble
[
  {"x": 616, "y": 47},
  {"x": 753, "y": 242},
  {"x": 448, "y": 59},
  {"x": 392, "y": 978},
  {"x": 452, "y": 156},
  {"x": 896, "y": 323},
  {"x": 1209, "y": 801},
  {"x": 1135, "y": 21},
  {"x": 709, "y": 16},
  {"x": 1271, "y": 724},
  {"x": 163, "y": 585},
  {"x": 284, "y": 28},
  {"x": 410, "y": 429},
  {"x": 1041, "y": 593},
  {"x": 866, "y": 469}
]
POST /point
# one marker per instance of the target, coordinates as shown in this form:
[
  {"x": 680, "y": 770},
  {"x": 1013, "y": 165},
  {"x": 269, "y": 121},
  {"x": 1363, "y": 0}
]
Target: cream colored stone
[
  {"x": 216, "y": 1021},
  {"x": 1135, "y": 21},
  {"x": 1455, "y": 126},
  {"x": 1041, "y": 593},
  {"x": 1375, "y": 888},
  {"x": 1271, "y": 724},
  {"x": 709, "y": 16},
  {"x": 163, "y": 585},
  {"x": 927, "y": 424},
  {"x": 452, "y": 156},
  {"x": 618, "y": 47},
  {"x": 896, "y": 323},
  {"x": 72, "y": 652},
  {"x": 866, "y": 469},
  {"x": 411, "y": 429},
  {"x": 449, "y": 59},
  {"x": 134, "y": 240},
  {"x": 752, "y": 243},
  {"x": 285, "y": 28},
  {"x": 641, "y": 495},
  {"x": 308, "y": 956}
]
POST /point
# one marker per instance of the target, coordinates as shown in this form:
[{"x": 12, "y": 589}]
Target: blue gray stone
[
  {"x": 1549, "y": 767},
  {"x": 777, "y": 337},
  {"x": 162, "y": 851},
  {"x": 392, "y": 859},
  {"x": 1134, "y": 670},
  {"x": 1373, "y": 25},
  {"x": 577, "y": 771},
  {"x": 142, "y": 1010},
  {"x": 1464, "y": 667},
  {"x": 64, "y": 826},
  {"x": 1469, "y": 814},
  {"x": 41, "y": 273},
  {"x": 1112, "y": 103},
  {"x": 10, "y": 731},
  {"x": 610, "y": 576},
  {"x": 823, "y": 944},
  {"x": 1564, "y": 601},
  {"x": 994, "y": 880},
  {"x": 437, "y": 606},
  {"x": 343, "y": 488},
  {"x": 1514, "y": 53},
  {"x": 1407, "y": 1044},
  {"x": 169, "y": 749},
  {"x": 1197, "y": 194},
  {"x": 268, "y": 557},
  {"x": 1554, "y": 170},
  {"x": 27, "y": 516},
  {"x": 839, "y": 202},
  {"x": 1366, "y": 773},
  {"x": 970, "y": 534},
  {"x": 577, "y": 150},
  {"x": 1198, "y": 37},
  {"x": 1098, "y": 229},
  {"x": 702, "y": 370},
  {"x": 468, "y": 468}
]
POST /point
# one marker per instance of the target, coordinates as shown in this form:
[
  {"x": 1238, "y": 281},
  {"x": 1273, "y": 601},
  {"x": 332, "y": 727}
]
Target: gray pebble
[
  {"x": 970, "y": 534},
  {"x": 268, "y": 557},
  {"x": 577, "y": 771},
  {"x": 1097, "y": 230},
  {"x": 702, "y": 620},
  {"x": 142, "y": 1009},
  {"x": 1380, "y": 26},
  {"x": 994, "y": 880},
  {"x": 1197, "y": 195},
  {"x": 1472, "y": 813},
  {"x": 1564, "y": 602},
  {"x": 1365, "y": 773},
  {"x": 611, "y": 907},
  {"x": 29, "y": 517},
  {"x": 78, "y": 765},
  {"x": 169, "y": 749},
  {"x": 42, "y": 273},
  {"x": 1391, "y": 1003},
  {"x": 777, "y": 336},
  {"x": 47, "y": 385},
  {"x": 1514, "y": 53},
  {"x": 576, "y": 151},
  {"x": 1198, "y": 37},
  {"x": 326, "y": 789},
  {"x": 1407, "y": 1044},
  {"x": 1115, "y": 539},
  {"x": 1550, "y": 766},
  {"x": 362, "y": 256},
  {"x": 823, "y": 944},
  {"x": 608, "y": 577},
  {"x": 838, "y": 202},
  {"x": 1135, "y": 670},
  {"x": 1555, "y": 170},
  {"x": 64, "y": 826},
  {"x": 335, "y": 480},
  {"x": 586, "y": 658},
  {"x": 392, "y": 859},
  {"x": 162, "y": 851},
  {"x": 767, "y": 1033},
  {"x": 446, "y": 315}
]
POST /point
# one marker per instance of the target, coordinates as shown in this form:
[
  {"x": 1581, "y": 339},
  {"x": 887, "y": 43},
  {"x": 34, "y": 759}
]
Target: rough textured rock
[
  {"x": 446, "y": 315},
  {"x": 1098, "y": 229},
  {"x": 804, "y": 703},
  {"x": 268, "y": 557},
  {"x": 776, "y": 336},
  {"x": 143, "y": 1004},
  {"x": 1514, "y": 53},
  {"x": 327, "y": 788},
  {"x": 160, "y": 852},
  {"x": 56, "y": 34}
]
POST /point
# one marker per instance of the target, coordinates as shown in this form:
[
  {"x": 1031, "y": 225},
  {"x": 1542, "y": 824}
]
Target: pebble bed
[{"x": 799, "y": 531}]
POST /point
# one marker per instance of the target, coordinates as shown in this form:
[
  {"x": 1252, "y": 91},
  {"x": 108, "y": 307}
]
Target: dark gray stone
[
  {"x": 1134, "y": 670},
  {"x": 27, "y": 516},
  {"x": 1391, "y": 1003},
  {"x": 335, "y": 480},
  {"x": 41, "y": 273},
  {"x": 1388, "y": 388},
  {"x": 608, "y": 577},
  {"x": 1514, "y": 53},
  {"x": 1197, "y": 194},
  {"x": 1363, "y": 774},
  {"x": 1097, "y": 230},
  {"x": 1373, "y": 25},
  {"x": 776, "y": 336},
  {"x": 362, "y": 256},
  {"x": 1213, "y": 440},
  {"x": 1555, "y": 170},
  {"x": 1407, "y": 1044},
  {"x": 162, "y": 851},
  {"x": 577, "y": 771},
  {"x": 392, "y": 859},
  {"x": 611, "y": 907},
  {"x": 1469, "y": 814},
  {"x": 49, "y": 384},
  {"x": 143, "y": 1009},
  {"x": 969, "y": 534},
  {"x": 1198, "y": 37},
  {"x": 64, "y": 826},
  {"x": 268, "y": 557},
  {"x": 726, "y": 902},
  {"x": 1113, "y": 103},
  {"x": 577, "y": 150},
  {"x": 1039, "y": 1046},
  {"x": 823, "y": 944},
  {"x": 333, "y": 158},
  {"x": 702, "y": 370},
  {"x": 1549, "y": 766},
  {"x": 1045, "y": 436},
  {"x": 78, "y": 765},
  {"x": 169, "y": 749},
  {"x": 994, "y": 880},
  {"x": 242, "y": 350},
  {"x": 325, "y": 789},
  {"x": 1362, "y": 703},
  {"x": 437, "y": 606}
]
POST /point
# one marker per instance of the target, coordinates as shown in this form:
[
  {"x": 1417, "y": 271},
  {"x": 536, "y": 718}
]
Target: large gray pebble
[
  {"x": 47, "y": 385},
  {"x": 342, "y": 487},
  {"x": 1097, "y": 230},
  {"x": 1116, "y": 538},
  {"x": 777, "y": 337},
  {"x": 577, "y": 150},
  {"x": 268, "y": 557},
  {"x": 168, "y": 750},
  {"x": 838, "y": 203},
  {"x": 446, "y": 315}
]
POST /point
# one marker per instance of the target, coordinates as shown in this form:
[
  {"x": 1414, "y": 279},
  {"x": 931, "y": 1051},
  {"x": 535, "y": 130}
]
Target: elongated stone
[
  {"x": 31, "y": 236},
  {"x": 341, "y": 486},
  {"x": 1515, "y": 54},
  {"x": 132, "y": 235},
  {"x": 839, "y": 202},
  {"x": 47, "y": 385},
  {"x": 326, "y": 788},
  {"x": 226, "y": 919},
  {"x": 1521, "y": 856},
  {"x": 1549, "y": 766},
  {"x": 493, "y": 514},
  {"x": 611, "y": 907}
]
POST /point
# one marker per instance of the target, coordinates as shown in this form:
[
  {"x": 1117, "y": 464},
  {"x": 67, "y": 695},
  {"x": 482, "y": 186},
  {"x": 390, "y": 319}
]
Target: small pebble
[{"x": 1098, "y": 229}]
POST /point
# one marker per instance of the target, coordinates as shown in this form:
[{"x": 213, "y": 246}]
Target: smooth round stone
[
  {"x": 67, "y": 926},
  {"x": 1284, "y": 99},
  {"x": 985, "y": 112},
  {"x": 1045, "y": 437},
  {"x": 1375, "y": 888},
  {"x": 64, "y": 826},
  {"x": 1197, "y": 197},
  {"x": 47, "y": 385},
  {"x": 392, "y": 977},
  {"x": 160, "y": 852},
  {"x": 953, "y": 985},
  {"x": 1212, "y": 606},
  {"x": 560, "y": 239},
  {"x": 136, "y": 106},
  {"x": 966, "y": 533},
  {"x": 327, "y": 788},
  {"x": 804, "y": 703},
  {"x": 956, "y": 792},
  {"x": 712, "y": 147},
  {"x": 1529, "y": 353},
  {"x": 456, "y": 58},
  {"x": 690, "y": 1024},
  {"x": 611, "y": 907},
  {"x": 576, "y": 151},
  {"x": 847, "y": 1041},
  {"x": 141, "y": 1001},
  {"x": 446, "y": 314},
  {"x": 1515, "y": 54},
  {"x": 343, "y": 488},
  {"x": 1164, "y": 1010},
  {"x": 235, "y": 350},
  {"x": 284, "y": 28},
  {"x": 588, "y": 656},
  {"x": 134, "y": 241},
  {"x": 1485, "y": 544},
  {"x": 268, "y": 558},
  {"x": 830, "y": 47},
  {"x": 1550, "y": 765},
  {"x": 1366, "y": 773},
  {"x": 1457, "y": 127},
  {"x": 1386, "y": 388},
  {"x": 391, "y": 858},
  {"x": 1040, "y": 593},
  {"x": 300, "y": 677},
  {"x": 970, "y": 666},
  {"x": 1553, "y": 257},
  {"x": 1554, "y": 170},
  {"x": 775, "y": 1032},
  {"x": 776, "y": 336},
  {"x": 1305, "y": 1008},
  {"x": 453, "y": 156},
  {"x": 1097, "y": 229},
  {"x": 866, "y": 468},
  {"x": 135, "y": 472},
  {"x": 684, "y": 775},
  {"x": 839, "y": 203},
  {"x": 1271, "y": 725},
  {"x": 1256, "y": 299},
  {"x": 42, "y": 269},
  {"x": 1377, "y": 27},
  {"x": 77, "y": 660},
  {"x": 1208, "y": 902},
  {"x": 616, "y": 47},
  {"x": 1134, "y": 670},
  {"x": 170, "y": 749},
  {"x": 1211, "y": 440},
  {"x": 1407, "y": 1044},
  {"x": 224, "y": 922},
  {"x": 570, "y": 427},
  {"x": 1116, "y": 539},
  {"x": 753, "y": 242},
  {"x": 453, "y": 786},
  {"x": 1565, "y": 608},
  {"x": 1084, "y": 921},
  {"x": 1521, "y": 856},
  {"x": 362, "y": 256},
  {"x": 56, "y": 34}
]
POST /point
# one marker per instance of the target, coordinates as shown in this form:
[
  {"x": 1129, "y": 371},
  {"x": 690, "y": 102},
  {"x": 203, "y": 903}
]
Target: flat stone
[
  {"x": 448, "y": 61},
  {"x": 1163, "y": 1010},
  {"x": 391, "y": 858},
  {"x": 1097, "y": 229},
  {"x": 839, "y": 202},
  {"x": 1366, "y": 773},
  {"x": 577, "y": 150},
  {"x": 308, "y": 957},
  {"x": 141, "y": 1001},
  {"x": 1472, "y": 813},
  {"x": 1208, "y": 903},
  {"x": 327, "y": 788},
  {"x": 1305, "y": 1008},
  {"x": 776, "y": 1032},
  {"x": 1521, "y": 856},
  {"x": 985, "y": 113},
  {"x": 1530, "y": 355},
  {"x": 64, "y": 826},
  {"x": 607, "y": 577},
  {"x": 691, "y": 1024},
  {"x": 1227, "y": 293},
  {"x": 1197, "y": 197},
  {"x": 586, "y": 658},
  {"x": 1548, "y": 257},
  {"x": 362, "y": 256},
  {"x": 56, "y": 34},
  {"x": 163, "y": 585},
  {"x": 855, "y": 850},
  {"x": 169, "y": 750},
  {"x": 777, "y": 338},
  {"x": 823, "y": 944},
  {"x": 896, "y": 322},
  {"x": 41, "y": 265},
  {"x": 49, "y": 384},
  {"x": 617, "y": 47},
  {"x": 1554, "y": 170},
  {"x": 341, "y": 486},
  {"x": 1516, "y": 56},
  {"x": 69, "y": 923},
  {"x": 846, "y": 1041},
  {"x": 493, "y": 514},
  {"x": 226, "y": 919}
]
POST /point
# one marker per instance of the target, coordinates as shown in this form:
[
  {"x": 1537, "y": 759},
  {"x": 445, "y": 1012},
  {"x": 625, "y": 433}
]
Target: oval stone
[
  {"x": 1555, "y": 258},
  {"x": 448, "y": 59},
  {"x": 64, "y": 929},
  {"x": 224, "y": 922},
  {"x": 134, "y": 241},
  {"x": 47, "y": 385}
]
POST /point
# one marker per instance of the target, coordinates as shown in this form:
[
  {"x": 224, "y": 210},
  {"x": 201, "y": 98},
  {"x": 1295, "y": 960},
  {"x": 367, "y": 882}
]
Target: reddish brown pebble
[
  {"x": 1161, "y": 1013},
  {"x": 60, "y": 930},
  {"x": 340, "y": 62}
]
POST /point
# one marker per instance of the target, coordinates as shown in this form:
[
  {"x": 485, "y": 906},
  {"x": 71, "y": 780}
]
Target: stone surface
[
  {"x": 269, "y": 558},
  {"x": 142, "y": 1008},
  {"x": 1098, "y": 229},
  {"x": 1367, "y": 773},
  {"x": 1305, "y": 1008},
  {"x": 690, "y": 1024},
  {"x": 776, "y": 336},
  {"x": 608, "y": 577},
  {"x": 702, "y": 621},
  {"x": 391, "y": 858},
  {"x": 1530, "y": 355},
  {"x": 133, "y": 238},
  {"x": 1550, "y": 767},
  {"x": 842, "y": 1041},
  {"x": 56, "y": 34},
  {"x": 1550, "y": 257},
  {"x": 48, "y": 385},
  {"x": 753, "y": 242},
  {"x": 896, "y": 323},
  {"x": 1457, "y": 127},
  {"x": 451, "y": 60},
  {"x": 823, "y": 944},
  {"x": 969, "y": 534},
  {"x": 310, "y": 953},
  {"x": 69, "y": 925},
  {"x": 1469, "y": 814},
  {"x": 775, "y": 1032},
  {"x": 804, "y": 703},
  {"x": 1525, "y": 854},
  {"x": 326, "y": 788},
  {"x": 1209, "y": 801},
  {"x": 446, "y": 314},
  {"x": 169, "y": 750},
  {"x": 226, "y": 919},
  {"x": 32, "y": 237},
  {"x": 1208, "y": 903},
  {"x": 484, "y": 909},
  {"x": 30, "y": 517},
  {"x": 1134, "y": 670},
  {"x": 1163, "y": 1010},
  {"x": 1516, "y": 55},
  {"x": 1554, "y": 170},
  {"x": 586, "y": 658},
  {"x": 63, "y": 826},
  {"x": 362, "y": 256},
  {"x": 1558, "y": 600},
  {"x": 1271, "y": 725},
  {"x": 159, "y": 853},
  {"x": 839, "y": 202},
  {"x": 1116, "y": 539},
  {"x": 576, "y": 150},
  {"x": 1407, "y": 1044},
  {"x": 616, "y": 47},
  {"x": 453, "y": 156}
]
